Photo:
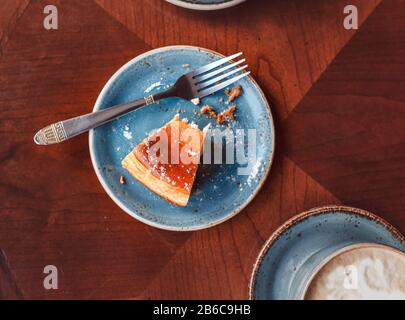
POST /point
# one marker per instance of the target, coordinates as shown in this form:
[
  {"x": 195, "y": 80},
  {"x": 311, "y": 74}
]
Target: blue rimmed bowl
[
  {"x": 300, "y": 246},
  {"x": 219, "y": 193}
]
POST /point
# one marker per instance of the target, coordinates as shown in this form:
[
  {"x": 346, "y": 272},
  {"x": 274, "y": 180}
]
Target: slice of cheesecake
[{"x": 166, "y": 162}]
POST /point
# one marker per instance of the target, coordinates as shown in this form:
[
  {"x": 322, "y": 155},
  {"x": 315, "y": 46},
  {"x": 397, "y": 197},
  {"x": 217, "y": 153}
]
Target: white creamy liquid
[{"x": 366, "y": 273}]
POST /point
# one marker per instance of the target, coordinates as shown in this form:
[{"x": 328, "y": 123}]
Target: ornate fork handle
[
  {"x": 198, "y": 83},
  {"x": 64, "y": 130}
]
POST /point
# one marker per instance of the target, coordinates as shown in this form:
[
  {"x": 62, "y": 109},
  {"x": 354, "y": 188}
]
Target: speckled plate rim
[
  {"x": 128, "y": 210},
  {"x": 205, "y": 7},
  {"x": 304, "y": 215}
]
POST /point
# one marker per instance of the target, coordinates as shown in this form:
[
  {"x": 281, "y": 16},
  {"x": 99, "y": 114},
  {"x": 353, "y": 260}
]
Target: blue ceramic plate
[
  {"x": 219, "y": 192},
  {"x": 325, "y": 230},
  {"x": 206, "y": 4}
]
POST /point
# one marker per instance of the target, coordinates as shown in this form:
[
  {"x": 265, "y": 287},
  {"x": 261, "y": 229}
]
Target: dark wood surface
[{"x": 337, "y": 96}]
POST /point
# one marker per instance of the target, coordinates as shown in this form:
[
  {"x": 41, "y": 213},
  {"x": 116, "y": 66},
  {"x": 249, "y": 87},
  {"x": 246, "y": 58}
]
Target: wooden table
[{"x": 338, "y": 98}]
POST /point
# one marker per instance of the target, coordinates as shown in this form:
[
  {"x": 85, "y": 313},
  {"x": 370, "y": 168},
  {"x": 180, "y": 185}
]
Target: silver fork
[{"x": 195, "y": 84}]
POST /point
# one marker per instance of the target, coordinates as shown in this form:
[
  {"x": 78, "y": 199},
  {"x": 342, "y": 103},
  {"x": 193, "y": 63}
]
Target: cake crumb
[
  {"x": 186, "y": 65},
  {"x": 227, "y": 114},
  {"x": 122, "y": 180},
  {"x": 234, "y": 93},
  {"x": 230, "y": 112},
  {"x": 221, "y": 119},
  {"x": 209, "y": 111}
]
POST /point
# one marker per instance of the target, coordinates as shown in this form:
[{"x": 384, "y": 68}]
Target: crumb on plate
[
  {"x": 227, "y": 114},
  {"x": 122, "y": 180},
  {"x": 221, "y": 119},
  {"x": 230, "y": 112},
  {"x": 209, "y": 111},
  {"x": 234, "y": 93}
]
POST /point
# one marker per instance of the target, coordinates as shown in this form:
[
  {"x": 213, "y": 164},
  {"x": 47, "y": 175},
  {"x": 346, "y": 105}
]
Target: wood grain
[
  {"x": 11, "y": 11},
  {"x": 53, "y": 209},
  {"x": 288, "y": 44},
  {"x": 349, "y": 131},
  {"x": 8, "y": 286},
  {"x": 336, "y": 96}
]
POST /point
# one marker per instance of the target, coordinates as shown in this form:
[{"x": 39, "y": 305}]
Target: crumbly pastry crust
[{"x": 170, "y": 193}]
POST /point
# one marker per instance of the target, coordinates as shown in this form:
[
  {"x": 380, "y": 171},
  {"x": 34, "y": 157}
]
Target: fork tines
[{"x": 206, "y": 76}]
